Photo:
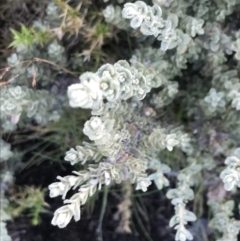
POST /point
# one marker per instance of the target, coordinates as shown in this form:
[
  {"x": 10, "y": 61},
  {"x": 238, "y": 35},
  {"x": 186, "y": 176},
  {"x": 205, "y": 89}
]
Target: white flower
[
  {"x": 230, "y": 178},
  {"x": 233, "y": 161},
  {"x": 61, "y": 188},
  {"x": 231, "y": 175},
  {"x": 87, "y": 94},
  {"x": 72, "y": 156},
  {"x": 135, "y": 11},
  {"x": 107, "y": 177},
  {"x": 79, "y": 96},
  {"x": 143, "y": 183},
  {"x": 74, "y": 206},
  {"x": 56, "y": 189},
  {"x": 94, "y": 129},
  {"x": 129, "y": 11},
  {"x": 62, "y": 216},
  {"x": 171, "y": 141}
]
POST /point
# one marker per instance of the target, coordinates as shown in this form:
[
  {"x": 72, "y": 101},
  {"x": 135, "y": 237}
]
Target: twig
[
  {"x": 56, "y": 65},
  {"x": 34, "y": 74}
]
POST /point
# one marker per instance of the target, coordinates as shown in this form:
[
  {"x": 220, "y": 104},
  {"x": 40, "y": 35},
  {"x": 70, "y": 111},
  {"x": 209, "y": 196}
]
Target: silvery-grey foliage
[
  {"x": 159, "y": 138},
  {"x": 223, "y": 220},
  {"x": 87, "y": 94},
  {"x": 213, "y": 11},
  {"x": 94, "y": 178},
  {"x": 130, "y": 140},
  {"x": 113, "y": 15},
  {"x": 52, "y": 9},
  {"x": 225, "y": 92},
  {"x": 194, "y": 26},
  {"x": 165, "y": 96},
  {"x": 6, "y": 178},
  {"x": 119, "y": 147},
  {"x": 5, "y": 153},
  {"x": 158, "y": 177},
  {"x": 22, "y": 73},
  {"x": 82, "y": 154},
  {"x": 236, "y": 45},
  {"x": 217, "y": 40},
  {"x": 113, "y": 82},
  {"x": 17, "y": 101},
  {"x": 150, "y": 21},
  {"x": 215, "y": 100},
  {"x": 180, "y": 196},
  {"x": 56, "y": 53},
  {"x": 231, "y": 174}
]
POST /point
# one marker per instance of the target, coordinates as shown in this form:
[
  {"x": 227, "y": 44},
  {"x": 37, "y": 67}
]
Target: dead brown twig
[{"x": 29, "y": 62}]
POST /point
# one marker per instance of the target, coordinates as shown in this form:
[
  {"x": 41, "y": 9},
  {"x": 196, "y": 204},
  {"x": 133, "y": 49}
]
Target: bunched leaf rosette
[
  {"x": 87, "y": 94},
  {"x": 109, "y": 83},
  {"x": 136, "y": 12},
  {"x": 98, "y": 131}
]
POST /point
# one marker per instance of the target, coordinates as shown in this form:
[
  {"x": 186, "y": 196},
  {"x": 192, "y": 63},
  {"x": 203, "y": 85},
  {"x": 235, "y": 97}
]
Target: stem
[
  {"x": 139, "y": 221},
  {"x": 53, "y": 64},
  {"x": 103, "y": 209}
]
